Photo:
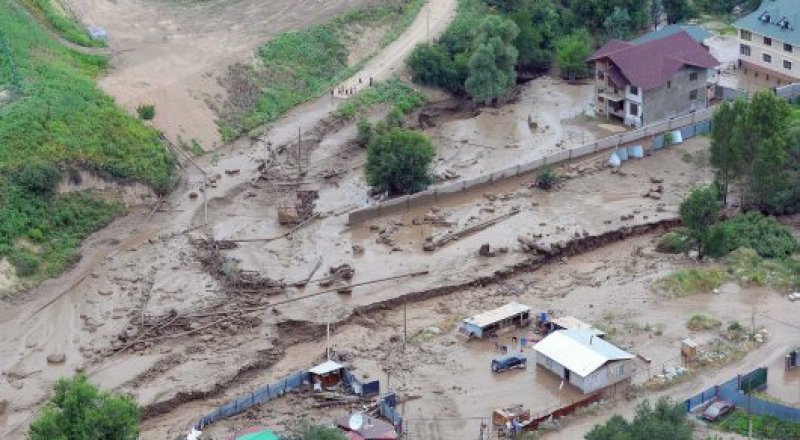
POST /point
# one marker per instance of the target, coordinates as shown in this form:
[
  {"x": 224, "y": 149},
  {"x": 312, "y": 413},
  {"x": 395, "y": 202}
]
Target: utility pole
[
  {"x": 328, "y": 340},
  {"x": 405, "y": 321},
  {"x": 428, "y": 22},
  {"x": 299, "y": 152}
]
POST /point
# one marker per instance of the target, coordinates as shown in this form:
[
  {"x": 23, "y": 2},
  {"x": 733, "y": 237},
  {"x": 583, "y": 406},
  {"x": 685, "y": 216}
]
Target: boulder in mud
[{"x": 56, "y": 358}]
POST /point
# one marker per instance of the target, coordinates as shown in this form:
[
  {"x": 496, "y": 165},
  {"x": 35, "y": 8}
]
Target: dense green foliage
[
  {"x": 748, "y": 268},
  {"x": 725, "y": 6},
  {"x": 674, "y": 242},
  {"x": 59, "y": 118},
  {"x": 618, "y": 25},
  {"x": 664, "y": 421},
  {"x": 547, "y": 178},
  {"x": 296, "y": 66},
  {"x": 491, "y": 66},
  {"x": 677, "y": 10},
  {"x": 699, "y": 212},
  {"x": 755, "y": 147},
  {"x": 459, "y": 54},
  {"x": 78, "y": 410},
  {"x": 572, "y": 51},
  {"x": 398, "y": 161},
  {"x": 764, "y": 427},
  {"x": 764, "y": 235},
  {"x": 61, "y": 23}
]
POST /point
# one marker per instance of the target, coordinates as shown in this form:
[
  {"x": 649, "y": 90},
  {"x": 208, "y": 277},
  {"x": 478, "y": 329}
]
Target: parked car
[
  {"x": 509, "y": 362},
  {"x": 717, "y": 410}
]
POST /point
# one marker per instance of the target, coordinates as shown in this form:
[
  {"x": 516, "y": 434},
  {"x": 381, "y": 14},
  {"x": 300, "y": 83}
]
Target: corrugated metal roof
[
  {"x": 325, "y": 368},
  {"x": 573, "y": 323},
  {"x": 652, "y": 64},
  {"x": 778, "y": 11},
  {"x": 579, "y": 351},
  {"x": 499, "y": 314},
  {"x": 696, "y": 32}
]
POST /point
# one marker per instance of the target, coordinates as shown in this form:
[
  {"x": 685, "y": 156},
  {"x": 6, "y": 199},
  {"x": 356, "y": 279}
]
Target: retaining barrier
[{"x": 690, "y": 125}]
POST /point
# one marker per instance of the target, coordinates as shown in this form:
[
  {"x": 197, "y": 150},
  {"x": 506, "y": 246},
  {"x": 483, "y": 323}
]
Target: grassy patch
[
  {"x": 300, "y": 65},
  {"x": 749, "y": 269},
  {"x": 766, "y": 427},
  {"x": 687, "y": 282},
  {"x": 701, "y": 322},
  {"x": 393, "y": 92},
  {"x": 61, "y": 22},
  {"x": 59, "y": 118},
  {"x": 674, "y": 242}
]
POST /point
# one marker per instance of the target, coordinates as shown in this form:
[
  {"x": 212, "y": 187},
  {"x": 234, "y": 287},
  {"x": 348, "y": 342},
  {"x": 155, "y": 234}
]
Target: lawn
[
  {"x": 53, "y": 118},
  {"x": 59, "y": 20},
  {"x": 764, "y": 427}
]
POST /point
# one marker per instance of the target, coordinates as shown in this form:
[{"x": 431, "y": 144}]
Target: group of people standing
[{"x": 343, "y": 90}]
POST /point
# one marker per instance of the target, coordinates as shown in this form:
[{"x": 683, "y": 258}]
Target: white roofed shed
[{"x": 491, "y": 321}]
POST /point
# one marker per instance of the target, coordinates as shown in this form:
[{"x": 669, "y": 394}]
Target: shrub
[
  {"x": 146, "y": 111},
  {"x": 674, "y": 242},
  {"x": 763, "y": 234},
  {"x": 364, "y": 132},
  {"x": 687, "y": 282},
  {"x": 398, "y": 161},
  {"x": 702, "y": 322},
  {"x": 699, "y": 212},
  {"x": 78, "y": 410},
  {"x": 40, "y": 178},
  {"x": 547, "y": 178},
  {"x": 25, "y": 263}
]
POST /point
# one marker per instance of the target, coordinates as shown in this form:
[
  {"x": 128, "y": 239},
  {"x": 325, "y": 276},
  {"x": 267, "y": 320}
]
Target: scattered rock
[
  {"x": 486, "y": 251},
  {"x": 232, "y": 171},
  {"x": 358, "y": 249},
  {"x": 105, "y": 292},
  {"x": 655, "y": 179},
  {"x": 56, "y": 358}
]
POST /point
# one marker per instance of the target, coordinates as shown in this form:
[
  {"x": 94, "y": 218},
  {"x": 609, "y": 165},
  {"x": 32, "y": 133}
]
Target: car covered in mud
[
  {"x": 509, "y": 362},
  {"x": 717, "y": 410}
]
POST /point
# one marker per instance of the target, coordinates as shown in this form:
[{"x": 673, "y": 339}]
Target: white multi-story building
[{"x": 769, "y": 40}]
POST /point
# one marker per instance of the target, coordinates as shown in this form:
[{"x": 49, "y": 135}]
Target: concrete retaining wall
[{"x": 687, "y": 123}]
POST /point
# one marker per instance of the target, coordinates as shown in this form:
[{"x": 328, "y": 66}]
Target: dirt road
[
  {"x": 163, "y": 51},
  {"x": 169, "y": 53}
]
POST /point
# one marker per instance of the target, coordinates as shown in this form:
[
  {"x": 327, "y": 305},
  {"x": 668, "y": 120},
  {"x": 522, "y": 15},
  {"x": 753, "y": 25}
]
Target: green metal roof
[
  {"x": 779, "y": 12},
  {"x": 696, "y": 32}
]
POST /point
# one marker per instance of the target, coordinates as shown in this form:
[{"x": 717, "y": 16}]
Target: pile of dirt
[{"x": 230, "y": 274}]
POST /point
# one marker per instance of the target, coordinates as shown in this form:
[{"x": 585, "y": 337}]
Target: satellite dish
[{"x": 356, "y": 422}]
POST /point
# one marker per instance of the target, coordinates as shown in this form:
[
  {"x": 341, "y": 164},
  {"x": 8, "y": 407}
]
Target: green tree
[
  {"x": 656, "y": 11},
  {"x": 491, "y": 67},
  {"x": 571, "y": 53},
  {"x": 664, "y": 421},
  {"x": 398, "y": 161},
  {"x": 37, "y": 177},
  {"x": 592, "y": 13},
  {"x": 505, "y": 5},
  {"x": 79, "y": 411},
  {"x": 617, "y": 26},
  {"x": 431, "y": 65},
  {"x": 726, "y": 151},
  {"x": 538, "y": 23},
  {"x": 699, "y": 212},
  {"x": 677, "y": 10}
]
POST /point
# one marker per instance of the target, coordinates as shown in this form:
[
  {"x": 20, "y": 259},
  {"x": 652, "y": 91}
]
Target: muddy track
[
  {"x": 294, "y": 332},
  {"x": 264, "y": 360}
]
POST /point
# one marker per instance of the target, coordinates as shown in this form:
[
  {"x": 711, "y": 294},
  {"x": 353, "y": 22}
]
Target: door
[{"x": 566, "y": 375}]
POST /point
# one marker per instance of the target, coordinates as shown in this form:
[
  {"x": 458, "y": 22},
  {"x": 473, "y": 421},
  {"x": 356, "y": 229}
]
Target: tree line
[{"x": 491, "y": 41}]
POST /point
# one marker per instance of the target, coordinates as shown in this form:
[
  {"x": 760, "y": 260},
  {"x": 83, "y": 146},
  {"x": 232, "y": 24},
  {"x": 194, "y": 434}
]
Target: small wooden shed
[{"x": 326, "y": 375}]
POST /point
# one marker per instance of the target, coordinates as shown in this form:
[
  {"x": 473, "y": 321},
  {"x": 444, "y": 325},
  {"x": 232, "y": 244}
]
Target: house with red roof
[{"x": 644, "y": 83}]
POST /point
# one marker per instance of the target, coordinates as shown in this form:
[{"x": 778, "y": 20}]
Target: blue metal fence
[
  {"x": 260, "y": 395},
  {"x": 687, "y": 132},
  {"x": 731, "y": 390},
  {"x": 387, "y": 409}
]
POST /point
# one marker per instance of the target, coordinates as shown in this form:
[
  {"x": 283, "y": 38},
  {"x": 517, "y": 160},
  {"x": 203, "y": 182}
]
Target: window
[
  {"x": 693, "y": 76},
  {"x": 787, "y": 65},
  {"x": 634, "y": 109},
  {"x": 693, "y": 95},
  {"x": 787, "y": 47},
  {"x": 766, "y": 57},
  {"x": 600, "y": 74},
  {"x": 600, "y": 99},
  {"x": 621, "y": 370},
  {"x": 767, "y": 41},
  {"x": 744, "y": 50},
  {"x": 746, "y": 35},
  {"x": 634, "y": 90}
]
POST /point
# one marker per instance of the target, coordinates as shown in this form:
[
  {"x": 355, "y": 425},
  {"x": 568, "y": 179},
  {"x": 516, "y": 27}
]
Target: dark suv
[{"x": 509, "y": 362}]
